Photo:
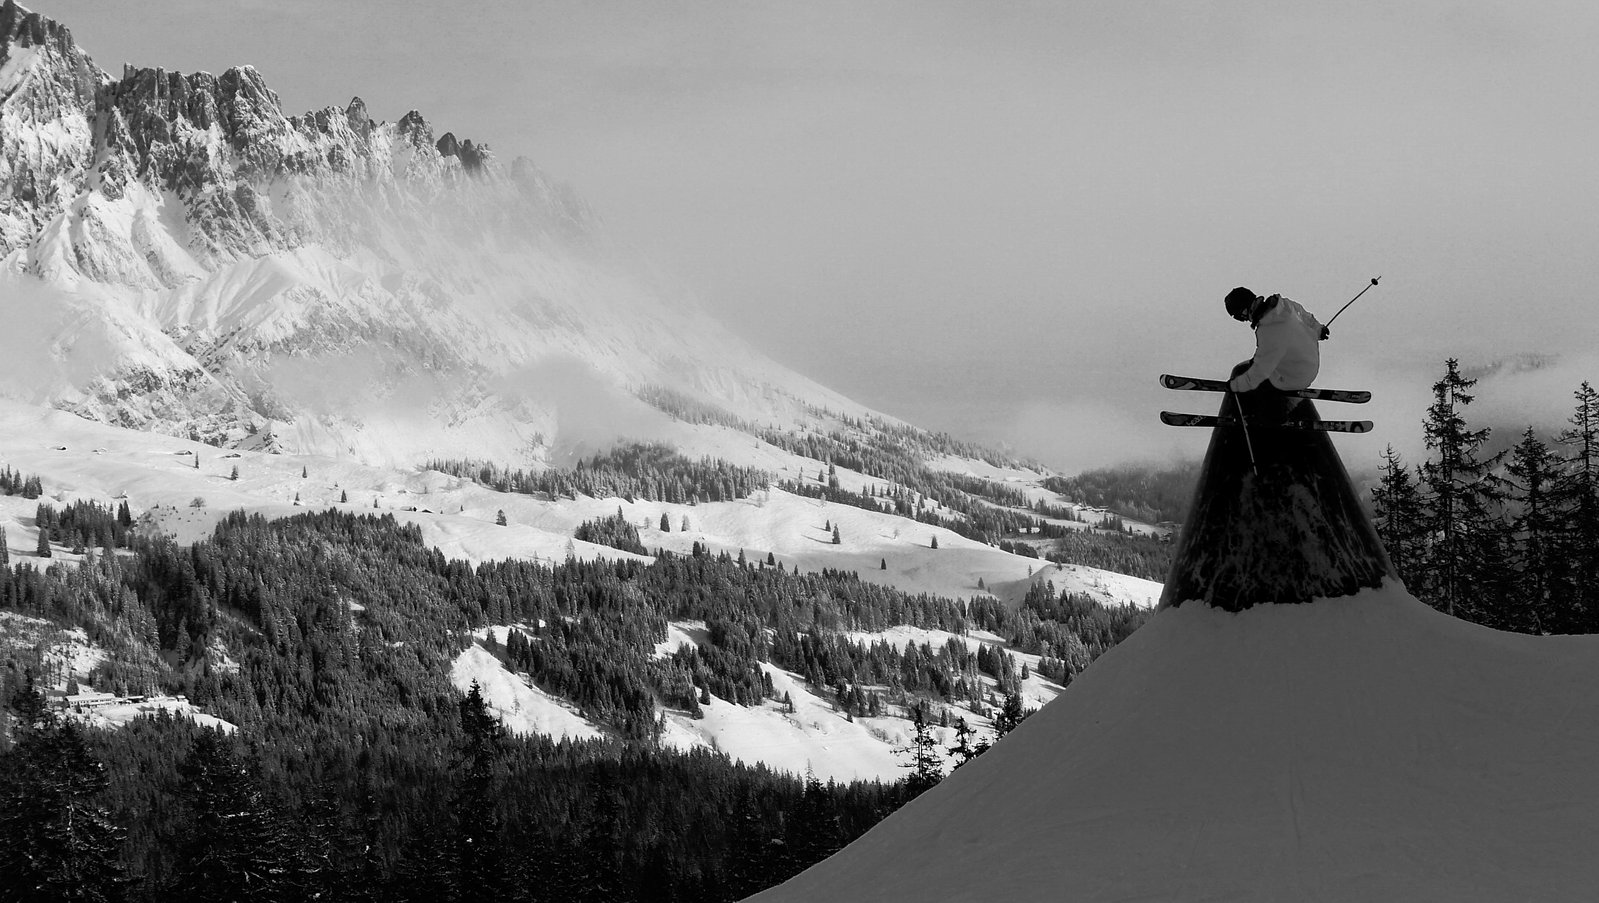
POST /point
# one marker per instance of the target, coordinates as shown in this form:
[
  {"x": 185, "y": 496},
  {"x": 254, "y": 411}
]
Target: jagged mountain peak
[
  {"x": 23, "y": 28},
  {"x": 325, "y": 281}
]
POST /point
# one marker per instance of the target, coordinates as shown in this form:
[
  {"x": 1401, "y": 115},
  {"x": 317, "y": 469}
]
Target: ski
[
  {"x": 1325, "y": 426},
  {"x": 1197, "y": 384}
]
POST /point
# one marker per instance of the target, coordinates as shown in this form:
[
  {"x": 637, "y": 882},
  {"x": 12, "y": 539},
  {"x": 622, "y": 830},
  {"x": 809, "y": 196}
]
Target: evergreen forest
[
  {"x": 1509, "y": 539},
  {"x": 359, "y": 772}
]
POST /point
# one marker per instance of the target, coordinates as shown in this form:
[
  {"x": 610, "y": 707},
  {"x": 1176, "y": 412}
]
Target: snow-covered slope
[
  {"x": 1364, "y": 748},
  {"x": 181, "y": 256},
  {"x": 156, "y": 475},
  {"x": 813, "y": 737},
  {"x": 1292, "y": 725}
]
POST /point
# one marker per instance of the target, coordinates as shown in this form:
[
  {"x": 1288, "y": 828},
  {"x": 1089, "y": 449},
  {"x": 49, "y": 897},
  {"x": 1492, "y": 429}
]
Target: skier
[{"x": 1286, "y": 335}]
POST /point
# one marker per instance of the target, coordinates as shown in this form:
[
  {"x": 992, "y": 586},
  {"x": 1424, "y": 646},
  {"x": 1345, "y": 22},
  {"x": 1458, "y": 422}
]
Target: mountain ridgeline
[{"x": 206, "y": 265}]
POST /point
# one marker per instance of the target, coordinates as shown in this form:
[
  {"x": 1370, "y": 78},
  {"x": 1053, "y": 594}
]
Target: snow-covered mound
[{"x": 1364, "y": 748}]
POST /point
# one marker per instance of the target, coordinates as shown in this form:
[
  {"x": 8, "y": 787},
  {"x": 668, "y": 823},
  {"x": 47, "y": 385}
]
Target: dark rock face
[
  {"x": 1289, "y": 530},
  {"x": 221, "y": 145}
]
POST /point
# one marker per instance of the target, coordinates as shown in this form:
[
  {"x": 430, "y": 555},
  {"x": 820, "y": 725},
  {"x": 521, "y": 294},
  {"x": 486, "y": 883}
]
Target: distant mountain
[{"x": 183, "y": 257}]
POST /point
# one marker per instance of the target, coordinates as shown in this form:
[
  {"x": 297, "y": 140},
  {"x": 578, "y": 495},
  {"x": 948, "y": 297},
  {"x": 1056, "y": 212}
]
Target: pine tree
[
  {"x": 236, "y": 843},
  {"x": 43, "y": 548},
  {"x": 837, "y": 540},
  {"x": 478, "y": 852},
  {"x": 926, "y": 767},
  {"x": 303, "y": 472},
  {"x": 666, "y": 522},
  {"x": 5, "y": 551},
  {"x": 935, "y": 542},
  {"x": 1010, "y": 714},
  {"x": 1576, "y": 496},
  {"x": 1466, "y": 559},
  {"x": 1400, "y": 519},
  {"x": 963, "y": 750},
  {"x": 499, "y": 517},
  {"x": 344, "y": 497},
  {"x": 234, "y": 475},
  {"x": 1535, "y": 534},
  {"x": 815, "y": 831},
  {"x": 57, "y": 840}
]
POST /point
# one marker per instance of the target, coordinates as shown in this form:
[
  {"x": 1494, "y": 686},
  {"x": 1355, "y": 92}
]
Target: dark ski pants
[{"x": 1265, "y": 401}]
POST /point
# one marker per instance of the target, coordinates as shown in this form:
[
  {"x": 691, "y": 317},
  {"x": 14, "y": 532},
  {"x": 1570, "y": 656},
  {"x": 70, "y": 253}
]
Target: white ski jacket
[{"x": 1286, "y": 348}]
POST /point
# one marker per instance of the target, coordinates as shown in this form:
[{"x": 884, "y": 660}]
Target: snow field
[
  {"x": 524, "y": 708},
  {"x": 813, "y": 739},
  {"x": 157, "y": 475},
  {"x": 110, "y": 717},
  {"x": 79, "y": 459}
]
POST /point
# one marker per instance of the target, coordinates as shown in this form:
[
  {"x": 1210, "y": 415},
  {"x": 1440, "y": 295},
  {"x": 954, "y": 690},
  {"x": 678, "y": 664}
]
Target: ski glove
[{"x": 1325, "y": 332}]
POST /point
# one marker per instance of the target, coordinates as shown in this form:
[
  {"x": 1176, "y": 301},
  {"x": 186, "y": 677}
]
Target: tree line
[
  {"x": 1509, "y": 540},
  {"x": 650, "y": 471},
  {"x": 14, "y": 482},
  {"x": 1147, "y": 493}
]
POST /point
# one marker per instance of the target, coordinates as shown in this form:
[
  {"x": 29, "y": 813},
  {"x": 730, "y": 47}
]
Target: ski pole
[
  {"x": 1243, "y": 424},
  {"x": 1353, "y": 300}
]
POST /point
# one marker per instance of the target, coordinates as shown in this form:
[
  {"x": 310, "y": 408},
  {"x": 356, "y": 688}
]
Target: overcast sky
[{"x": 1004, "y": 220}]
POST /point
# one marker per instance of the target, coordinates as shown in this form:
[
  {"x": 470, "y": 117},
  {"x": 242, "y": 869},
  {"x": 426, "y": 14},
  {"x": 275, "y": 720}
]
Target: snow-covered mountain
[
  {"x": 336, "y": 300},
  {"x": 182, "y": 256}
]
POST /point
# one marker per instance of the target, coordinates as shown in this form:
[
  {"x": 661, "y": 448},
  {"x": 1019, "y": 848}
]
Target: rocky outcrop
[
  {"x": 233, "y": 272},
  {"x": 249, "y": 179},
  {"x": 47, "y": 91}
]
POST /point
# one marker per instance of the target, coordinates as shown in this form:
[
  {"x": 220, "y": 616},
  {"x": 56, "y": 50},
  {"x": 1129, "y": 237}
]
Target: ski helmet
[{"x": 1239, "y": 301}]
